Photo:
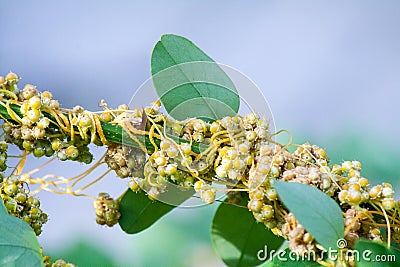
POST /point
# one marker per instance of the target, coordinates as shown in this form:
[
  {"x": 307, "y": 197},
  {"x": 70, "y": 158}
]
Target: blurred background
[{"x": 330, "y": 71}]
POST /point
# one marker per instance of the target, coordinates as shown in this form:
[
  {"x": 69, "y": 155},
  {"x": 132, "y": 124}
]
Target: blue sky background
[{"x": 330, "y": 71}]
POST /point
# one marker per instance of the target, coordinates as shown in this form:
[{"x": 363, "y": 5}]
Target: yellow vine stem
[
  {"x": 205, "y": 152},
  {"x": 393, "y": 218},
  {"x": 148, "y": 175},
  {"x": 13, "y": 95},
  {"x": 226, "y": 140},
  {"x": 378, "y": 206},
  {"x": 209, "y": 158},
  {"x": 388, "y": 225},
  {"x": 44, "y": 182},
  {"x": 381, "y": 225},
  {"x": 11, "y": 112},
  {"x": 130, "y": 129},
  {"x": 99, "y": 129},
  {"x": 193, "y": 172},
  {"x": 4, "y": 119},
  {"x": 15, "y": 156},
  {"x": 153, "y": 122},
  {"x": 346, "y": 230},
  {"x": 68, "y": 123},
  {"x": 235, "y": 137},
  {"x": 64, "y": 127},
  {"x": 64, "y": 118},
  {"x": 367, "y": 214},
  {"x": 236, "y": 189},
  {"x": 222, "y": 182},
  {"x": 71, "y": 130},
  {"x": 93, "y": 182},
  {"x": 281, "y": 212},
  {"x": 151, "y": 133},
  {"x": 40, "y": 167},
  {"x": 279, "y": 132},
  {"x": 173, "y": 141},
  {"x": 215, "y": 135},
  {"x": 21, "y": 164},
  {"x": 93, "y": 126},
  {"x": 153, "y": 127},
  {"x": 324, "y": 263},
  {"x": 44, "y": 185},
  {"x": 79, "y": 177},
  {"x": 225, "y": 202}
]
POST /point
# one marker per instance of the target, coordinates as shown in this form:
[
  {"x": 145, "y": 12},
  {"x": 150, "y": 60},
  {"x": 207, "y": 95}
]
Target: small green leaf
[
  {"x": 320, "y": 215},
  {"x": 18, "y": 242},
  {"x": 138, "y": 212},
  {"x": 189, "y": 83},
  {"x": 290, "y": 259},
  {"x": 238, "y": 239},
  {"x": 374, "y": 254}
]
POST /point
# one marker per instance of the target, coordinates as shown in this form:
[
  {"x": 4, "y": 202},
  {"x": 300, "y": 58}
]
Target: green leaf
[
  {"x": 371, "y": 254},
  {"x": 138, "y": 212},
  {"x": 238, "y": 239},
  {"x": 189, "y": 83},
  {"x": 287, "y": 258},
  {"x": 18, "y": 242},
  {"x": 320, "y": 215}
]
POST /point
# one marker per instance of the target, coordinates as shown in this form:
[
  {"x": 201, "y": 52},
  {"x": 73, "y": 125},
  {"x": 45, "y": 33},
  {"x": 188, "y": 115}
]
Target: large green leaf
[
  {"x": 290, "y": 259},
  {"x": 138, "y": 212},
  {"x": 374, "y": 254},
  {"x": 320, "y": 215},
  {"x": 238, "y": 239},
  {"x": 18, "y": 242},
  {"x": 189, "y": 83}
]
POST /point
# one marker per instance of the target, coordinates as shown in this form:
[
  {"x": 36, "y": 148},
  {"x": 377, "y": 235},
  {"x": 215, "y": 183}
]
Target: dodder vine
[{"x": 159, "y": 155}]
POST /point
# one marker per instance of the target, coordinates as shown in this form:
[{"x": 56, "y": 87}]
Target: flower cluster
[
  {"x": 300, "y": 241},
  {"x": 58, "y": 263},
  {"x": 3, "y": 158},
  {"x": 223, "y": 152},
  {"x": 9, "y": 82},
  {"x": 355, "y": 228},
  {"x": 106, "y": 210},
  {"x": 33, "y": 128},
  {"x": 125, "y": 161},
  {"x": 356, "y": 189},
  {"x": 309, "y": 165},
  {"x": 18, "y": 203}
]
